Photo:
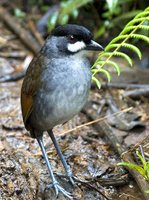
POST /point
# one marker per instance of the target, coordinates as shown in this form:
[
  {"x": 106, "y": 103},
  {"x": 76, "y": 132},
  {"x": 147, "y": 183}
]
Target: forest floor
[{"x": 92, "y": 150}]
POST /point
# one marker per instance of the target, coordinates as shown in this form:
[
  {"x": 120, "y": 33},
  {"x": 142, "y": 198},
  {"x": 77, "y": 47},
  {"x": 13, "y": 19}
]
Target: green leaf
[
  {"x": 133, "y": 48},
  {"x": 108, "y": 62},
  {"x": 19, "y": 13},
  {"x": 115, "y": 65},
  {"x": 147, "y": 170},
  {"x": 100, "y": 31},
  {"x": 108, "y": 75},
  {"x": 111, "y": 46},
  {"x": 142, "y": 14},
  {"x": 129, "y": 28},
  {"x": 64, "y": 20},
  {"x": 120, "y": 37},
  {"x": 52, "y": 21},
  {"x": 141, "y": 37},
  {"x": 145, "y": 27},
  {"x": 116, "y": 53},
  {"x": 94, "y": 79},
  {"x": 134, "y": 21},
  {"x": 75, "y": 13},
  {"x": 137, "y": 168},
  {"x": 126, "y": 45},
  {"x": 125, "y": 56},
  {"x": 105, "y": 54},
  {"x": 112, "y": 5}
]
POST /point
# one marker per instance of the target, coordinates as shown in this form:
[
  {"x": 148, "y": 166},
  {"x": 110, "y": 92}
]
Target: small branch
[
  {"x": 94, "y": 121},
  {"x": 21, "y": 32},
  {"x": 124, "y": 85},
  {"x": 88, "y": 184},
  {"x": 37, "y": 35},
  {"x": 19, "y": 75},
  {"x": 13, "y": 54},
  {"x": 12, "y": 77},
  {"x": 135, "y": 94}
]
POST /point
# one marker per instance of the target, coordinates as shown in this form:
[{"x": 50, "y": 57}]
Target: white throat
[{"x": 76, "y": 46}]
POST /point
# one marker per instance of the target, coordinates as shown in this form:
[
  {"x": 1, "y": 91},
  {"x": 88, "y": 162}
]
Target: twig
[
  {"x": 142, "y": 152},
  {"x": 94, "y": 121},
  {"x": 135, "y": 94},
  {"x": 85, "y": 183},
  {"x": 2, "y": 41},
  {"x": 19, "y": 75},
  {"x": 12, "y": 77},
  {"x": 124, "y": 85},
  {"x": 21, "y": 32},
  {"x": 14, "y": 54},
  {"x": 35, "y": 32}
]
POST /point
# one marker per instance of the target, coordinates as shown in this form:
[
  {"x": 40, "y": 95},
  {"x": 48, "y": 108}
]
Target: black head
[
  {"x": 78, "y": 38},
  {"x": 78, "y": 32}
]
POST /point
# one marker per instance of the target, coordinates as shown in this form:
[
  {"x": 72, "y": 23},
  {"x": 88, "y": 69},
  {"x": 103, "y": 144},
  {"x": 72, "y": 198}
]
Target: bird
[{"x": 56, "y": 87}]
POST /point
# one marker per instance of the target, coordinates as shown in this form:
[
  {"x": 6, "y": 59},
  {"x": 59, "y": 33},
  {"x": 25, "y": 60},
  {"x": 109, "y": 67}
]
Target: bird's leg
[
  {"x": 66, "y": 166},
  {"x": 55, "y": 183}
]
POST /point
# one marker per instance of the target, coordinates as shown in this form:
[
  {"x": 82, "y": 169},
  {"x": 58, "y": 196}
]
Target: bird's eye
[{"x": 72, "y": 39}]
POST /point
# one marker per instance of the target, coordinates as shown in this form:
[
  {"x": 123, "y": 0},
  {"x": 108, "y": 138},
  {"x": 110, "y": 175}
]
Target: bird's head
[{"x": 71, "y": 39}]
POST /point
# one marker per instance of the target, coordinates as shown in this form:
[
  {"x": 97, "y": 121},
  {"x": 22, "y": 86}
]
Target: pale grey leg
[
  {"x": 55, "y": 183},
  {"x": 66, "y": 166}
]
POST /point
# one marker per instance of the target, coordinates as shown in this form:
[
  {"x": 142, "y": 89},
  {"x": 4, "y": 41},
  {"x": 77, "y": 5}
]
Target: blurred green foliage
[
  {"x": 142, "y": 169},
  {"x": 68, "y": 9},
  {"x": 111, "y": 13},
  {"x": 19, "y": 13},
  {"x": 123, "y": 40}
]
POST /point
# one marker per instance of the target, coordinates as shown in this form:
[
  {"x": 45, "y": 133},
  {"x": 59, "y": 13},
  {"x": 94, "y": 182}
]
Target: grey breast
[{"x": 65, "y": 85}]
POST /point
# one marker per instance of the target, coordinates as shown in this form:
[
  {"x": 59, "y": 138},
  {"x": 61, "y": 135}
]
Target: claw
[
  {"x": 68, "y": 176},
  {"x": 58, "y": 189},
  {"x": 71, "y": 180}
]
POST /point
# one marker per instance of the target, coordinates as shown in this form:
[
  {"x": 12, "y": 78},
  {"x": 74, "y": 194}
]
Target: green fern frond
[
  {"x": 141, "y": 37},
  {"x": 120, "y": 37},
  {"x": 105, "y": 54},
  {"x": 98, "y": 83},
  {"x": 105, "y": 72},
  {"x": 134, "y": 21},
  {"x": 124, "y": 55},
  {"x": 129, "y": 32},
  {"x": 129, "y": 28},
  {"x": 111, "y": 46},
  {"x": 115, "y": 65},
  {"x": 145, "y": 27},
  {"x": 126, "y": 45},
  {"x": 142, "y": 14},
  {"x": 133, "y": 48}
]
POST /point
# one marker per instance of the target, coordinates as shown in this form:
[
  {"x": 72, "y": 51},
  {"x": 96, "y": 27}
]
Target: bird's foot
[
  {"x": 59, "y": 189},
  {"x": 68, "y": 176}
]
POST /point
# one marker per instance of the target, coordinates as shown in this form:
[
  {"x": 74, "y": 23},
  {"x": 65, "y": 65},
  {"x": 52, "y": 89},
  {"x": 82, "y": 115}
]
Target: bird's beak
[{"x": 94, "y": 46}]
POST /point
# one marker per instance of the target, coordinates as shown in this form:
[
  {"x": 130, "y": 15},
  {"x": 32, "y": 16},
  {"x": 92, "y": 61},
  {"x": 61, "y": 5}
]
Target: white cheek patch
[{"x": 76, "y": 46}]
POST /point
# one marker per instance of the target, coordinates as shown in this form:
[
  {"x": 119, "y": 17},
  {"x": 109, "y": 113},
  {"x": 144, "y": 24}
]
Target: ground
[{"x": 89, "y": 150}]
